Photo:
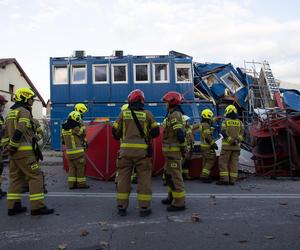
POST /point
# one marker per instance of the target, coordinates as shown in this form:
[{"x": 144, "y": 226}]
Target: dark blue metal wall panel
[
  {"x": 60, "y": 93},
  {"x": 59, "y": 114},
  {"x": 78, "y": 93},
  {"x": 105, "y": 110}
]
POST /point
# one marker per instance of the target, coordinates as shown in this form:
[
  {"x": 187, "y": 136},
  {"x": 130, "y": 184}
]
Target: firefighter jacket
[
  {"x": 206, "y": 134},
  {"x": 19, "y": 131},
  {"x": 232, "y": 131},
  {"x": 125, "y": 129},
  {"x": 73, "y": 137},
  {"x": 174, "y": 135}
]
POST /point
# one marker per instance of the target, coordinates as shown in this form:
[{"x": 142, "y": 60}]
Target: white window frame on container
[
  {"x": 107, "y": 74},
  {"x": 210, "y": 84},
  {"x": 184, "y": 66},
  {"x": 85, "y": 74},
  {"x": 236, "y": 80},
  {"x": 168, "y": 73},
  {"x": 148, "y": 72},
  {"x": 113, "y": 73},
  {"x": 54, "y": 74}
]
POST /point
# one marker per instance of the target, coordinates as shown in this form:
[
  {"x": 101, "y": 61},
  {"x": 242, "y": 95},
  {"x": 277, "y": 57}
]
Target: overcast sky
[{"x": 209, "y": 30}]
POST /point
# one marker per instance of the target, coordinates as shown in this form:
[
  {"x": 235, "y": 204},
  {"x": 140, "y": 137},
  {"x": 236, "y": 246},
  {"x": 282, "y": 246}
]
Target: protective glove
[{"x": 214, "y": 146}]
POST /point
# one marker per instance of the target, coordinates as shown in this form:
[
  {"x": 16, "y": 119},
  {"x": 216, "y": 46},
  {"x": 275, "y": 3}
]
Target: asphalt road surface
[{"x": 257, "y": 213}]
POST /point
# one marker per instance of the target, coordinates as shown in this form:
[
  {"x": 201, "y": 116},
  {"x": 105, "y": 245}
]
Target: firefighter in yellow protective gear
[
  {"x": 133, "y": 175},
  {"x": 135, "y": 127},
  {"x": 73, "y": 137},
  {"x": 189, "y": 137},
  {"x": 207, "y": 144},
  {"x": 3, "y": 101},
  {"x": 82, "y": 109},
  {"x": 22, "y": 159},
  {"x": 232, "y": 131},
  {"x": 174, "y": 151}
]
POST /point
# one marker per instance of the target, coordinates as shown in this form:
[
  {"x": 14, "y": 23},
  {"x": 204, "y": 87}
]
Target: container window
[
  {"x": 119, "y": 73},
  {"x": 141, "y": 73},
  {"x": 183, "y": 73},
  {"x": 232, "y": 82},
  {"x": 79, "y": 74},
  {"x": 100, "y": 73},
  {"x": 210, "y": 80},
  {"x": 60, "y": 75},
  {"x": 161, "y": 72}
]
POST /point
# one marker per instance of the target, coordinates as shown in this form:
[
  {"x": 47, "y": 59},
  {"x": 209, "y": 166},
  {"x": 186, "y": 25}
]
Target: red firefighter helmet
[
  {"x": 2, "y": 100},
  {"x": 173, "y": 98},
  {"x": 136, "y": 95}
]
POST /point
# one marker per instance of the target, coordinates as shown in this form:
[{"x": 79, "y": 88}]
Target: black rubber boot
[
  {"x": 17, "y": 209},
  {"x": 175, "y": 209},
  {"x": 42, "y": 211},
  {"x": 83, "y": 187},
  {"x": 222, "y": 183},
  {"x": 122, "y": 211},
  {"x": 206, "y": 180},
  {"x": 166, "y": 201},
  {"x": 74, "y": 186},
  {"x": 145, "y": 212}
]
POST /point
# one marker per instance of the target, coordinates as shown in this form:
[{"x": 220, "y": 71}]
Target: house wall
[{"x": 11, "y": 75}]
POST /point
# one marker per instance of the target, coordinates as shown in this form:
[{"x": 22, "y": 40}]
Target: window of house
[
  {"x": 183, "y": 73},
  {"x": 79, "y": 74},
  {"x": 161, "y": 72},
  {"x": 60, "y": 75},
  {"x": 100, "y": 73},
  {"x": 11, "y": 91},
  {"x": 119, "y": 73},
  {"x": 232, "y": 82},
  {"x": 141, "y": 73}
]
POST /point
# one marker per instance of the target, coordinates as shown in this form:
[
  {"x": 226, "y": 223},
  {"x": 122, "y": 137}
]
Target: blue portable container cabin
[{"x": 103, "y": 84}]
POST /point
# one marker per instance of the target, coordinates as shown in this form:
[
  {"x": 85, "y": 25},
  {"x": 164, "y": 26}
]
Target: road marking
[{"x": 188, "y": 195}]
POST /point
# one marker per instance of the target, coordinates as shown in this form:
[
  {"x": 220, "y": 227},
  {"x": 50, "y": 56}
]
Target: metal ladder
[
  {"x": 261, "y": 91},
  {"x": 270, "y": 80},
  {"x": 261, "y": 94}
]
